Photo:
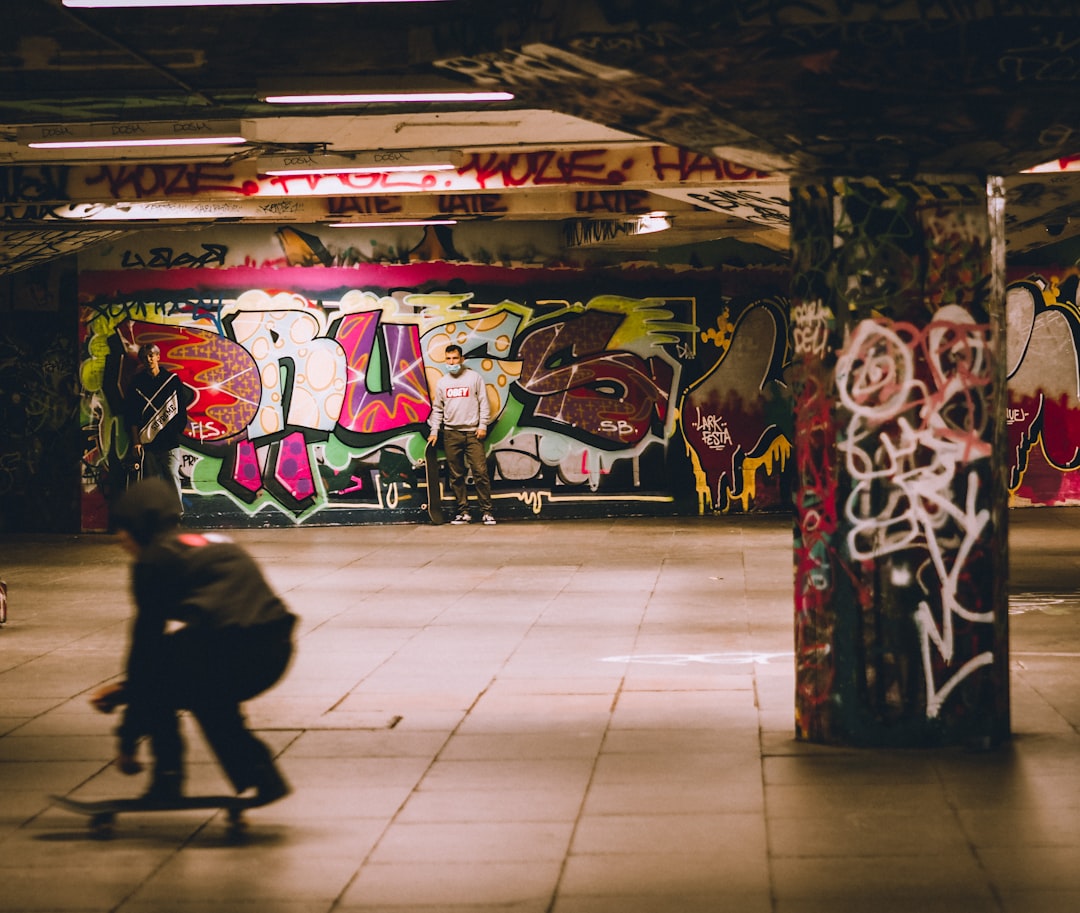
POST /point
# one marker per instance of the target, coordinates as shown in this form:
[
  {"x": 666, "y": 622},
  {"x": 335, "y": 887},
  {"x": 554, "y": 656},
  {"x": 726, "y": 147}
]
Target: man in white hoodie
[{"x": 460, "y": 408}]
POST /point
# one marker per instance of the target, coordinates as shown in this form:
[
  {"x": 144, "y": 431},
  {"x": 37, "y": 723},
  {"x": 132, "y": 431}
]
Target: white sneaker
[
  {"x": 461, "y": 517},
  {"x": 488, "y": 519}
]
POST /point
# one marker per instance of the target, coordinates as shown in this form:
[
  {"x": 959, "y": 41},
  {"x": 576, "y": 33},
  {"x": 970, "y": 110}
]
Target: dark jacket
[
  {"x": 156, "y": 407},
  {"x": 203, "y": 580}
]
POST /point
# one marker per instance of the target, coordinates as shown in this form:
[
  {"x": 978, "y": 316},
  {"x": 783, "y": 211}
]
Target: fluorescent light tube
[
  {"x": 390, "y": 224},
  {"x": 387, "y": 88},
  {"x": 377, "y": 162},
  {"x": 135, "y": 133},
  {"x": 388, "y": 97},
  {"x": 130, "y": 4},
  {"x": 126, "y": 143}
]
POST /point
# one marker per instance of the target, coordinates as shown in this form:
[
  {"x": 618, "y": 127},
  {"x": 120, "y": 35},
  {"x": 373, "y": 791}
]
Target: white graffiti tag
[
  {"x": 910, "y": 448},
  {"x": 713, "y": 429},
  {"x": 810, "y": 328}
]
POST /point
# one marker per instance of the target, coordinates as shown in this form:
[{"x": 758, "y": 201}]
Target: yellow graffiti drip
[
  {"x": 701, "y": 481},
  {"x": 779, "y": 451},
  {"x": 534, "y": 500}
]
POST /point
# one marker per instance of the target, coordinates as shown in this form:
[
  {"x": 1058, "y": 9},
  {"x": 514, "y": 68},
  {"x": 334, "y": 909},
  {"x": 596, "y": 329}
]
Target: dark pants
[
  {"x": 211, "y": 673},
  {"x": 464, "y": 447},
  {"x": 165, "y": 464}
]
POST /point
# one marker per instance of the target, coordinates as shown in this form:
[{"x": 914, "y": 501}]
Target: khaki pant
[{"x": 465, "y": 448}]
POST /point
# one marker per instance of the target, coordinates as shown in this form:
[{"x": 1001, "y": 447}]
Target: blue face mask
[{"x": 455, "y": 370}]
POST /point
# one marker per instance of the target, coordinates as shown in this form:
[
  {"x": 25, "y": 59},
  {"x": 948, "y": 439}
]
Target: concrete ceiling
[{"x": 699, "y": 109}]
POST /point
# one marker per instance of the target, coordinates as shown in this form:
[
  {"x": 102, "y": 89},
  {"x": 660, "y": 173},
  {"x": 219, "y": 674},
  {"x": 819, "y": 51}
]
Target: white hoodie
[{"x": 460, "y": 403}]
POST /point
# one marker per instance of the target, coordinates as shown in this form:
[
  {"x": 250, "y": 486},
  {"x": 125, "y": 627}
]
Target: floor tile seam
[
  {"x": 592, "y": 779},
  {"x": 706, "y": 856},
  {"x": 366, "y": 861},
  {"x": 433, "y": 562},
  {"x": 714, "y": 899},
  {"x": 962, "y": 828},
  {"x": 388, "y": 658},
  {"x": 167, "y": 857},
  {"x": 760, "y": 703},
  {"x": 58, "y": 648},
  {"x": 523, "y": 629},
  {"x": 886, "y": 852},
  {"x": 762, "y": 754},
  {"x": 1047, "y": 703},
  {"x": 703, "y": 814}
]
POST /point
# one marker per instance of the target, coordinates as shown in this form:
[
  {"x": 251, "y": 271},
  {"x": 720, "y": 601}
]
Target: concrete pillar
[{"x": 901, "y": 537}]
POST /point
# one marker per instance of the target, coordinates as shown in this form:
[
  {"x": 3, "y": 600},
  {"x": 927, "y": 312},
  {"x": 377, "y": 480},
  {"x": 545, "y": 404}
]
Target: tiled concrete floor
[{"x": 575, "y": 717}]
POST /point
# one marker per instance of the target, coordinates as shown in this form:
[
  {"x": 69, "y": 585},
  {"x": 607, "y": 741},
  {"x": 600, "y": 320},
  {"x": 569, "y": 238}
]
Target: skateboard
[
  {"x": 102, "y": 813},
  {"x": 432, "y": 477}
]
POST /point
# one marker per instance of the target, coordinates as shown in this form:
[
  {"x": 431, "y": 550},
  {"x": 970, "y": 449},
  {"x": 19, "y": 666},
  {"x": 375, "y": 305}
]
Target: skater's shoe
[
  {"x": 461, "y": 518},
  {"x": 269, "y": 786},
  {"x": 488, "y": 518},
  {"x": 166, "y": 788},
  {"x": 110, "y": 697}
]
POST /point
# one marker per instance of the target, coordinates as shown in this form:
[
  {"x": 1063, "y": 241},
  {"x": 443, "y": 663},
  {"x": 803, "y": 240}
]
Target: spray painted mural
[
  {"x": 1043, "y": 325},
  {"x": 614, "y": 390}
]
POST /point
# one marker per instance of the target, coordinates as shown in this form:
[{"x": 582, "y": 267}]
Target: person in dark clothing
[
  {"x": 235, "y": 642},
  {"x": 155, "y": 412}
]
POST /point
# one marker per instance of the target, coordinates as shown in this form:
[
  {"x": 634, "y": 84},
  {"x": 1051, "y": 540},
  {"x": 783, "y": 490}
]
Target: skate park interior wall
[
  {"x": 39, "y": 400},
  {"x": 622, "y": 386},
  {"x": 616, "y": 388}
]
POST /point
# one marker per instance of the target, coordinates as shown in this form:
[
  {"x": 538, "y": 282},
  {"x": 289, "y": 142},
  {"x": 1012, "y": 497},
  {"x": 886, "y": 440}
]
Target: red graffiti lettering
[
  {"x": 543, "y": 169},
  {"x": 610, "y": 395},
  {"x": 364, "y": 182},
  {"x": 403, "y": 180},
  {"x": 142, "y": 181},
  {"x": 687, "y": 165}
]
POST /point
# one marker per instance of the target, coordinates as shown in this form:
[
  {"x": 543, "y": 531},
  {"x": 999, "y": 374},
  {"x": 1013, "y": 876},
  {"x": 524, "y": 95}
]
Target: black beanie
[{"x": 148, "y": 508}]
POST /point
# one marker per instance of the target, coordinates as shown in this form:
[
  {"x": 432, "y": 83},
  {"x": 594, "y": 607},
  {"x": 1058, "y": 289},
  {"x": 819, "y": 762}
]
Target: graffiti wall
[
  {"x": 1043, "y": 315},
  {"x": 39, "y": 400},
  {"x": 628, "y": 390}
]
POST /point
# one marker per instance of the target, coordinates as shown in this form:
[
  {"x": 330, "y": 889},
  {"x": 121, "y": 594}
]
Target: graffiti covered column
[{"x": 901, "y": 540}]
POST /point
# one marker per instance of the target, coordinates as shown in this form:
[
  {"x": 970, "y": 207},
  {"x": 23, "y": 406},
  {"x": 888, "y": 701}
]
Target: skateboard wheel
[
  {"x": 101, "y": 826},
  {"x": 237, "y": 825}
]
